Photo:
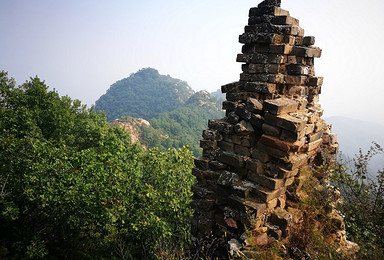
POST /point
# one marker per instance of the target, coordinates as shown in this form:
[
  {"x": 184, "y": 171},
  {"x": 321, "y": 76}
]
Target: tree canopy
[
  {"x": 74, "y": 187},
  {"x": 143, "y": 94}
]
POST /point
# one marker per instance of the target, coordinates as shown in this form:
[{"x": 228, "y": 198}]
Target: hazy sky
[{"x": 81, "y": 47}]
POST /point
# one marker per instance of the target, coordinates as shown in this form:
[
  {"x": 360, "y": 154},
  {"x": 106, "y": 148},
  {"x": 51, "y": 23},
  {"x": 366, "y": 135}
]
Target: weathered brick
[
  {"x": 231, "y": 87},
  {"x": 260, "y": 155},
  {"x": 243, "y": 112},
  {"x": 280, "y": 106},
  {"x": 227, "y": 178},
  {"x": 280, "y": 48},
  {"x": 267, "y": 182},
  {"x": 307, "y": 51},
  {"x": 281, "y": 145},
  {"x": 216, "y": 165},
  {"x": 202, "y": 163},
  {"x": 271, "y": 130},
  {"x": 315, "y": 81},
  {"x": 226, "y": 146},
  {"x": 292, "y": 136},
  {"x": 234, "y": 160},
  {"x": 229, "y": 105},
  {"x": 233, "y": 118},
  {"x": 239, "y": 149},
  {"x": 244, "y": 127},
  {"x": 286, "y": 121},
  {"x": 285, "y": 20},
  {"x": 254, "y": 105},
  {"x": 220, "y": 125},
  {"x": 208, "y": 144},
  {"x": 260, "y": 87},
  {"x": 296, "y": 80},
  {"x": 298, "y": 70},
  {"x": 309, "y": 40}
]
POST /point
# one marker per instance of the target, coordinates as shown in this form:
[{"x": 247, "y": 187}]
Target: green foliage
[
  {"x": 185, "y": 124},
  {"x": 363, "y": 204},
  {"x": 143, "y": 94},
  {"x": 73, "y": 187}
]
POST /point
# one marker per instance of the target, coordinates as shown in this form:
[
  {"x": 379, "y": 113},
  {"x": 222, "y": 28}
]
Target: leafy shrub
[
  {"x": 363, "y": 204},
  {"x": 73, "y": 187}
]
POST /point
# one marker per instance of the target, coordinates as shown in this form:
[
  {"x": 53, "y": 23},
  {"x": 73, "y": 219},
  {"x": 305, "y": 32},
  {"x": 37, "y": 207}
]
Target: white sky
[{"x": 81, "y": 47}]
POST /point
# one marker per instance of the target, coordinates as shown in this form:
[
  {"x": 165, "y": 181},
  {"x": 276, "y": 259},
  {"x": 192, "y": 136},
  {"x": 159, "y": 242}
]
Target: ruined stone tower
[{"x": 272, "y": 129}]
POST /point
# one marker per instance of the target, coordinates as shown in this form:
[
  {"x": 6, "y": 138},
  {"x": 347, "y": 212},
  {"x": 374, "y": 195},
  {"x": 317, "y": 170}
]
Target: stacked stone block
[{"x": 272, "y": 130}]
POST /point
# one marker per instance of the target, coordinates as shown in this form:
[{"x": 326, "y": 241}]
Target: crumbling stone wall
[{"x": 271, "y": 131}]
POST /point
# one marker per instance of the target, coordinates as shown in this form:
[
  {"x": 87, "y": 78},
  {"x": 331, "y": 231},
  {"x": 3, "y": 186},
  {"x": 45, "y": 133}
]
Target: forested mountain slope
[{"x": 143, "y": 94}]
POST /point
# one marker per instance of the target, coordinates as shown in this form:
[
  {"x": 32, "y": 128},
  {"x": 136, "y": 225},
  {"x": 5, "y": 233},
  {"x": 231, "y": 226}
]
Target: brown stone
[
  {"x": 285, "y": 20},
  {"x": 271, "y": 130},
  {"x": 260, "y": 87},
  {"x": 287, "y": 122},
  {"x": 296, "y": 80},
  {"x": 202, "y": 163},
  {"x": 220, "y": 125},
  {"x": 280, "y": 106},
  {"x": 281, "y": 145},
  {"x": 226, "y": 146},
  {"x": 234, "y": 160},
  {"x": 280, "y": 48}
]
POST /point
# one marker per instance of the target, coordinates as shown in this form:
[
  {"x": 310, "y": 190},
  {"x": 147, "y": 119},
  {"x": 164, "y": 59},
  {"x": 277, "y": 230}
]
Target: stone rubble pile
[{"x": 272, "y": 130}]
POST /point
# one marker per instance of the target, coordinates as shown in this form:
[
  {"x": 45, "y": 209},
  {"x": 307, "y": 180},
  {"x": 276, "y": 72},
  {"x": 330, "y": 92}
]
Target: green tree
[
  {"x": 363, "y": 203},
  {"x": 72, "y": 186}
]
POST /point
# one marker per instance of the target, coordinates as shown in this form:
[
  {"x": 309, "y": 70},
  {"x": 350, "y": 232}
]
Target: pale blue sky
[{"x": 81, "y": 47}]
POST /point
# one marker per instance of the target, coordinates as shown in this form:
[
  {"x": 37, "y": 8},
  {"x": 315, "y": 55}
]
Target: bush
[
  {"x": 71, "y": 186},
  {"x": 363, "y": 202}
]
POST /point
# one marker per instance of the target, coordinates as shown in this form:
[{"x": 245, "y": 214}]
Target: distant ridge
[{"x": 143, "y": 94}]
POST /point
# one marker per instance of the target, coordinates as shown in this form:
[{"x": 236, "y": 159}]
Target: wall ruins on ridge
[{"x": 271, "y": 132}]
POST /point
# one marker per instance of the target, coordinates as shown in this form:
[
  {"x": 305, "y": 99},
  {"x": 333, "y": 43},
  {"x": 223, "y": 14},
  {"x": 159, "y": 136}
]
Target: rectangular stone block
[
  {"x": 259, "y": 58},
  {"x": 285, "y": 20},
  {"x": 246, "y": 58},
  {"x": 277, "y": 58},
  {"x": 211, "y": 135},
  {"x": 234, "y": 160},
  {"x": 267, "y": 182},
  {"x": 271, "y": 130},
  {"x": 280, "y": 106},
  {"x": 292, "y": 136},
  {"x": 307, "y": 51},
  {"x": 275, "y": 171},
  {"x": 280, "y": 48},
  {"x": 276, "y": 153},
  {"x": 281, "y": 145},
  {"x": 287, "y": 122},
  {"x": 242, "y": 112},
  {"x": 227, "y": 178},
  {"x": 239, "y": 149},
  {"x": 315, "y": 136},
  {"x": 265, "y": 194},
  {"x": 255, "y": 166},
  {"x": 296, "y": 80},
  {"x": 229, "y": 105},
  {"x": 261, "y": 38},
  {"x": 229, "y": 147},
  {"x": 315, "y": 81},
  {"x": 202, "y": 163},
  {"x": 208, "y": 144},
  {"x": 260, "y": 87},
  {"x": 298, "y": 90},
  {"x": 309, "y": 40},
  {"x": 260, "y": 155},
  {"x": 216, "y": 166},
  {"x": 230, "y": 88},
  {"x": 244, "y": 205},
  {"x": 298, "y": 70},
  {"x": 220, "y": 125}
]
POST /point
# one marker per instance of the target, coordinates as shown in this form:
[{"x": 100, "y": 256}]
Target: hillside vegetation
[
  {"x": 74, "y": 187},
  {"x": 183, "y": 116},
  {"x": 143, "y": 94}
]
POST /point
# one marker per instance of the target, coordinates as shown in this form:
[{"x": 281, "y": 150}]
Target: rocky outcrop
[{"x": 272, "y": 131}]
